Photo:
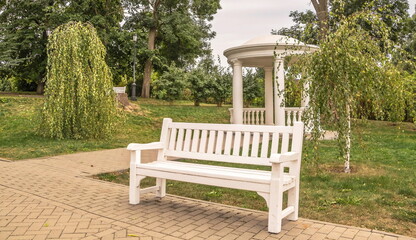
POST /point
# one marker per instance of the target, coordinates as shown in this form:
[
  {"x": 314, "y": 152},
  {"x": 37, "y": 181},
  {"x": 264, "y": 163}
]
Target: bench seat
[{"x": 219, "y": 175}]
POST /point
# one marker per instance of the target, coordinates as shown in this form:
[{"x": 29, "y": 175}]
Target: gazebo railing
[
  {"x": 257, "y": 116},
  {"x": 293, "y": 114},
  {"x": 251, "y": 116}
]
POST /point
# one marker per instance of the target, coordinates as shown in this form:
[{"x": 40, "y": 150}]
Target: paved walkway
[{"x": 53, "y": 198}]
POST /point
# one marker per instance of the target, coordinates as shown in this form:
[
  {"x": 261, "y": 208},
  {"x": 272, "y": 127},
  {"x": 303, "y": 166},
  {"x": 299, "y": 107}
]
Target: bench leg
[
  {"x": 275, "y": 207},
  {"x": 161, "y": 183},
  {"x": 293, "y": 200},
  {"x": 134, "y": 187}
]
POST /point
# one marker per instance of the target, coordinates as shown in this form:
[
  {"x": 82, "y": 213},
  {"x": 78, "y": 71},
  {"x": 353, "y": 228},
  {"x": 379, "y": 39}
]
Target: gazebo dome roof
[
  {"x": 273, "y": 39},
  {"x": 261, "y": 51}
]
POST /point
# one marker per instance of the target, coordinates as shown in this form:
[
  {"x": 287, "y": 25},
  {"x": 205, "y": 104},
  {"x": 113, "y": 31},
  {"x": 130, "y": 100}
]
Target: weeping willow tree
[
  {"x": 352, "y": 76},
  {"x": 80, "y": 102}
]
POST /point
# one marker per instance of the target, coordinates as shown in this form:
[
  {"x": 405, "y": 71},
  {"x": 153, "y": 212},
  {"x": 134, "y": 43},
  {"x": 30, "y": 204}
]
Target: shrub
[{"x": 170, "y": 85}]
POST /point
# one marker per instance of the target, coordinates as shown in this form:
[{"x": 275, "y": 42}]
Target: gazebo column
[
  {"x": 237, "y": 92},
  {"x": 279, "y": 88},
  {"x": 268, "y": 94}
]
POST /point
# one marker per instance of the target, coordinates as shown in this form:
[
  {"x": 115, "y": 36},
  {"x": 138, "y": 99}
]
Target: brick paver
[{"x": 52, "y": 198}]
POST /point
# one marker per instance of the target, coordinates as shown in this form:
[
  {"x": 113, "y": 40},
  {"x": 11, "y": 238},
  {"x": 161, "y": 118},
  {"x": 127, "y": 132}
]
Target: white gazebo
[{"x": 267, "y": 52}]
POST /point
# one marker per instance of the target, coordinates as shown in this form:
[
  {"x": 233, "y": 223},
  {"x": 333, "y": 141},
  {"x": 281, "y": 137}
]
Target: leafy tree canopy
[
  {"x": 177, "y": 31},
  {"x": 392, "y": 12},
  {"x": 24, "y": 28},
  {"x": 352, "y": 75},
  {"x": 80, "y": 102},
  {"x": 253, "y": 82},
  {"x": 170, "y": 85}
]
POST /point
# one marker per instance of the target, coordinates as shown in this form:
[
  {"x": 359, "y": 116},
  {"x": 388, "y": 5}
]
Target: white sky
[{"x": 241, "y": 20}]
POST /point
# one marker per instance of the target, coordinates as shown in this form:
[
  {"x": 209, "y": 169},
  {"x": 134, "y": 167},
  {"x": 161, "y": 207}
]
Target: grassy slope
[
  {"x": 19, "y": 121},
  {"x": 380, "y": 193}
]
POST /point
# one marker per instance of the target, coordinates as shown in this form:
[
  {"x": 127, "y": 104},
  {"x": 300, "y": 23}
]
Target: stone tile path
[{"x": 52, "y": 198}]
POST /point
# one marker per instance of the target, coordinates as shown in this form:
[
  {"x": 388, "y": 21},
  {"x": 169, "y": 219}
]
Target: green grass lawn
[
  {"x": 380, "y": 193},
  {"x": 19, "y": 123}
]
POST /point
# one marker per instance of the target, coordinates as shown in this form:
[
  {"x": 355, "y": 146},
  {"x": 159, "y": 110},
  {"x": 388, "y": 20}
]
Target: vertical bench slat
[
  {"x": 246, "y": 143},
  {"x": 237, "y": 144},
  {"x": 275, "y": 143},
  {"x": 179, "y": 142},
  {"x": 264, "y": 145},
  {"x": 187, "y": 143},
  {"x": 285, "y": 143},
  {"x": 203, "y": 142},
  {"x": 228, "y": 142},
  {"x": 195, "y": 141},
  {"x": 211, "y": 141},
  {"x": 172, "y": 139},
  {"x": 220, "y": 141},
  {"x": 255, "y": 145}
]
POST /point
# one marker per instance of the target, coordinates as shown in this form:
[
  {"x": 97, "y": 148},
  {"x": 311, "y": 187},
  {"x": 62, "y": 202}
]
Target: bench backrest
[{"x": 235, "y": 143}]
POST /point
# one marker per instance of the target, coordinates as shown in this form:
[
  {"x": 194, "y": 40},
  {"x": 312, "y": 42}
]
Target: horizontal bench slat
[
  {"x": 206, "y": 166},
  {"x": 232, "y": 127},
  {"x": 242, "y": 185},
  {"x": 213, "y": 171},
  {"x": 219, "y": 158}
]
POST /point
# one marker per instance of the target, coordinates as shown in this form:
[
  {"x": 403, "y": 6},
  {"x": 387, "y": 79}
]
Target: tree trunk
[
  {"x": 196, "y": 103},
  {"x": 40, "y": 88},
  {"x": 148, "y": 67},
  {"x": 321, "y": 8},
  {"x": 348, "y": 141}
]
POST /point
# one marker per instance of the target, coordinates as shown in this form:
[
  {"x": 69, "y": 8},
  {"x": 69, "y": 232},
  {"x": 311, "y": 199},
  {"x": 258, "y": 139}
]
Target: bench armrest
[
  {"x": 145, "y": 146},
  {"x": 285, "y": 157}
]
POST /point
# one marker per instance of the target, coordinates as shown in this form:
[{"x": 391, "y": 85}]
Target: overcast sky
[{"x": 241, "y": 20}]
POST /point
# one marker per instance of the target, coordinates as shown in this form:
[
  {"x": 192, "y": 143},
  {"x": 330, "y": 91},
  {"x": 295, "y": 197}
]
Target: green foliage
[
  {"x": 221, "y": 85},
  {"x": 252, "y": 86},
  {"x": 393, "y": 13},
  {"x": 293, "y": 88},
  {"x": 351, "y": 75},
  {"x": 80, "y": 102},
  {"x": 170, "y": 85},
  {"x": 409, "y": 45},
  {"x": 209, "y": 82},
  {"x": 8, "y": 84},
  {"x": 176, "y": 32},
  {"x": 410, "y": 97},
  {"x": 124, "y": 80},
  {"x": 198, "y": 83},
  {"x": 305, "y": 28},
  {"x": 24, "y": 27}
]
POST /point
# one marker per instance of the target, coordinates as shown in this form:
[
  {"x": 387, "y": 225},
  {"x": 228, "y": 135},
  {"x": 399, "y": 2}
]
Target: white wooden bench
[{"x": 277, "y": 146}]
